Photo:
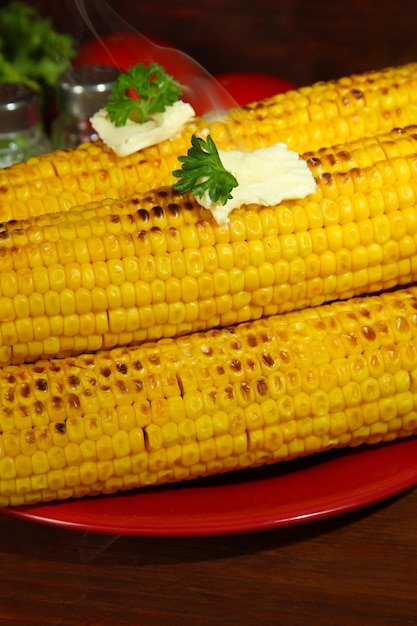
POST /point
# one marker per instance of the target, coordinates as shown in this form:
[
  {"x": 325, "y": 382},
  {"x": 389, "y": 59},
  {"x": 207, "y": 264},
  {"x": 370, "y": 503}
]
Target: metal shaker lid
[
  {"x": 19, "y": 107},
  {"x": 82, "y": 90}
]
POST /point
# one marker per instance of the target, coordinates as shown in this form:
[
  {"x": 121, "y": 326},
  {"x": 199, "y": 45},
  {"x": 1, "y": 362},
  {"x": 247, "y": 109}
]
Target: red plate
[{"x": 284, "y": 494}]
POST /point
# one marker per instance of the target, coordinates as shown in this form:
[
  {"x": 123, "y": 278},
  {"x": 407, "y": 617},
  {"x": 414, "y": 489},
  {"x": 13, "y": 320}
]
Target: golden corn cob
[
  {"x": 142, "y": 269},
  {"x": 338, "y": 375},
  {"x": 306, "y": 119}
]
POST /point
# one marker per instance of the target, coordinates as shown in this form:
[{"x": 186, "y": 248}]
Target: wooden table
[{"x": 359, "y": 568}]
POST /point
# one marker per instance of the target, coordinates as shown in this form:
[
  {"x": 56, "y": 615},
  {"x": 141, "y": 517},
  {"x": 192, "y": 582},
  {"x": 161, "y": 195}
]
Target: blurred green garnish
[{"x": 31, "y": 50}]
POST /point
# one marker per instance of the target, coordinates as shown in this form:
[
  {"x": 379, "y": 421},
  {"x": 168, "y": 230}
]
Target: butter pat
[
  {"x": 125, "y": 140},
  {"x": 266, "y": 176}
]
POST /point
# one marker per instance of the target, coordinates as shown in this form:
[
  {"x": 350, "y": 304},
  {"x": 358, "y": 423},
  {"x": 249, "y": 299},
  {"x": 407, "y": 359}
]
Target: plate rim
[{"x": 388, "y": 486}]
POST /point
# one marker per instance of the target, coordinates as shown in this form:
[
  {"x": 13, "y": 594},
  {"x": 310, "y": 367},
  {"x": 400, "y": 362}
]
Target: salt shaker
[
  {"x": 21, "y": 128},
  {"x": 81, "y": 92}
]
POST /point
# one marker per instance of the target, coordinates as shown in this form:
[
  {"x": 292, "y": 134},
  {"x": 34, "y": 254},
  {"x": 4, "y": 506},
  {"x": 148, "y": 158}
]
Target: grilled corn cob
[
  {"x": 338, "y": 375},
  {"x": 307, "y": 119},
  {"x": 159, "y": 266}
]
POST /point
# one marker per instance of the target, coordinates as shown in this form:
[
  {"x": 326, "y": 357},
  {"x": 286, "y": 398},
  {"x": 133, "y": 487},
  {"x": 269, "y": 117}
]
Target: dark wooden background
[{"x": 300, "y": 40}]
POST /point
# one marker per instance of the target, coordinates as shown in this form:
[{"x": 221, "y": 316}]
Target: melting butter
[
  {"x": 265, "y": 176},
  {"x": 125, "y": 140}
]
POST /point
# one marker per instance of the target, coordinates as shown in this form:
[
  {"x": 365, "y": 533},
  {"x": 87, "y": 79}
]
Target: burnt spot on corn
[
  {"x": 173, "y": 209},
  {"x": 261, "y": 387},
  {"x": 73, "y": 401},
  {"x": 56, "y": 403},
  {"x": 351, "y": 339},
  {"x": 137, "y": 385},
  {"x": 264, "y": 337},
  {"x": 30, "y": 437},
  {"x": 10, "y": 379},
  {"x": 38, "y": 407},
  {"x": 172, "y": 233},
  {"x": 285, "y": 356},
  {"x": 250, "y": 364},
  {"x": 252, "y": 341},
  {"x": 229, "y": 393},
  {"x": 41, "y": 384},
  {"x": 157, "y": 211},
  {"x": 143, "y": 215},
  {"x": 88, "y": 393},
  {"x": 343, "y": 177},
  {"x": 121, "y": 367},
  {"x": 9, "y": 395},
  {"x": 25, "y": 390},
  {"x": 267, "y": 359},
  {"x": 245, "y": 389},
  {"x": 74, "y": 381},
  {"x": 235, "y": 365},
  {"x": 154, "y": 359},
  {"x": 331, "y": 159},
  {"x": 327, "y": 178},
  {"x": 60, "y": 428},
  {"x": 7, "y": 412},
  {"x": 114, "y": 219},
  {"x": 357, "y": 93},
  {"x": 344, "y": 155},
  {"x": 313, "y": 161},
  {"x": 138, "y": 365}
]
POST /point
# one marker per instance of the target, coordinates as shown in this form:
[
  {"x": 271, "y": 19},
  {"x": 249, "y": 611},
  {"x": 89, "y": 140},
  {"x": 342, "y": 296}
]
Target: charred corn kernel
[
  {"x": 114, "y": 292},
  {"x": 292, "y": 407},
  {"x": 306, "y": 119}
]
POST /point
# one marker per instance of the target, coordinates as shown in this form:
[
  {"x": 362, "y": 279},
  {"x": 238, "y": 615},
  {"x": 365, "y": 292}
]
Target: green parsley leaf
[
  {"x": 140, "y": 92},
  {"x": 202, "y": 171}
]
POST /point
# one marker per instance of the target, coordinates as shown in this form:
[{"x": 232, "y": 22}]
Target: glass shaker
[
  {"x": 81, "y": 92},
  {"x": 21, "y": 128}
]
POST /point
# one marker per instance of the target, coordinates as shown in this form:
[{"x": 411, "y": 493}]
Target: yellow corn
[
  {"x": 338, "y": 375},
  {"x": 141, "y": 269},
  {"x": 306, "y": 119}
]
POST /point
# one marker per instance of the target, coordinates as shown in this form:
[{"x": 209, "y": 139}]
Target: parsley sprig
[
  {"x": 140, "y": 92},
  {"x": 202, "y": 171}
]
